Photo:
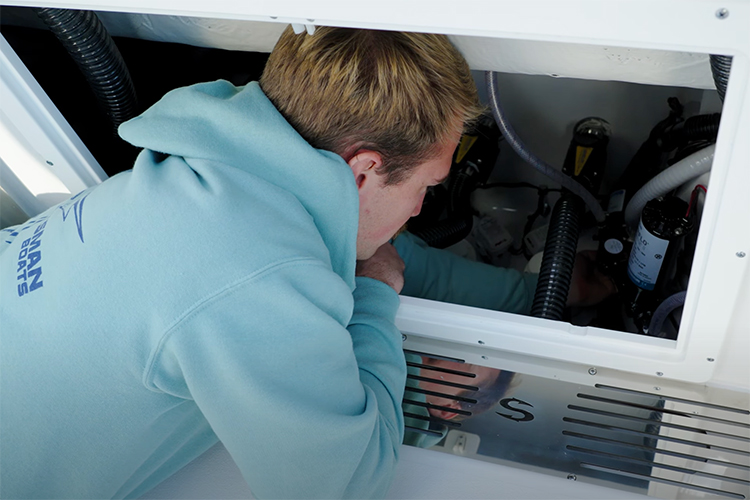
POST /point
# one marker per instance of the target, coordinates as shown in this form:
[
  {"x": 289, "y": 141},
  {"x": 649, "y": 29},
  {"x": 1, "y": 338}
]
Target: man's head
[
  {"x": 389, "y": 103},
  {"x": 492, "y": 383}
]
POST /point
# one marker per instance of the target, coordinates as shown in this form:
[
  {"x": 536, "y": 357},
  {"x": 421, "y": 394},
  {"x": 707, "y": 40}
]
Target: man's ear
[{"x": 365, "y": 165}]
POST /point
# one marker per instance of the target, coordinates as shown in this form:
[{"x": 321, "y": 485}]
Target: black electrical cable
[{"x": 88, "y": 43}]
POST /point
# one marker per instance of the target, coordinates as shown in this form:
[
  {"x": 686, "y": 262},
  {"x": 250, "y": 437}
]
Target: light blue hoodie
[
  {"x": 440, "y": 275},
  {"x": 207, "y": 294}
]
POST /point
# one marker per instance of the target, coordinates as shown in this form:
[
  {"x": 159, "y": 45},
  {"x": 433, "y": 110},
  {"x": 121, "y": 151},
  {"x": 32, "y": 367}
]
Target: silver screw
[
  {"x": 572, "y": 477},
  {"x": 656, "y": 388},
  {"x": 710, "y": 360},
  {"x": 722, "y": 13},
  {"x": 403, "y": 337},
  {"x": 740, "y": 254},
  {"x": 592, "y": 371},
  {"x": 659, "y": 374}
]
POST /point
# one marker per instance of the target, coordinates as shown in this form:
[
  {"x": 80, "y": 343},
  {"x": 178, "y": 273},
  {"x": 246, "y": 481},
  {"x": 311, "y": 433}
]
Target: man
[
  {"x": 237, "y": 284},
  {"x": 213, "y": 292}
]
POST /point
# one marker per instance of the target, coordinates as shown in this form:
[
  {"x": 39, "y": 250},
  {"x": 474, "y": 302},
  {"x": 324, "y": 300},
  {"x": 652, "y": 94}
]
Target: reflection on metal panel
[{"x": 663, "y": 446}]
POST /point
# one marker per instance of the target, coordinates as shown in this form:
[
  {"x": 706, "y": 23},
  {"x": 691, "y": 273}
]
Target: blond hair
[{"x": 399, "y": 94}]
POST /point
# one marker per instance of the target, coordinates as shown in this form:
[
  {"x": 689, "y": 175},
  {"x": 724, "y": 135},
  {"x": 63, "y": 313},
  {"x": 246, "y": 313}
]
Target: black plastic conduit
[
  {"x": 83, "y": 35},
  {"x": 556, "y": 271},
  {"x": 446, "y": 232},
  {"x": 720, "y": 67},
  {"x": 701, "y": 127}
]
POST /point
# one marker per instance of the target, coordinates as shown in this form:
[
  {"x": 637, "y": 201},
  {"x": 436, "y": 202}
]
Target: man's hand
[
  {"x": 385, "y": 265},
  {"x": 588, "y": 286}
]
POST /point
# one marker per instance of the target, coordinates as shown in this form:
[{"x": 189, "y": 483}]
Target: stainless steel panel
[{"x": 654, "y": 443}]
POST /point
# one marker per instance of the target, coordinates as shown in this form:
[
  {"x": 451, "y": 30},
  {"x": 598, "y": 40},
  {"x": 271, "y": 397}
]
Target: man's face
[
  {"x": 484, "y": 377},
  {"x": 384, "y": 210}
]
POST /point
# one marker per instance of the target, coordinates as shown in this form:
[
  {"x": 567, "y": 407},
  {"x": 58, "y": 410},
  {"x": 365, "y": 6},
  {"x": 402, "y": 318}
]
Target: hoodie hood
[{"x": 240, "y": 127}]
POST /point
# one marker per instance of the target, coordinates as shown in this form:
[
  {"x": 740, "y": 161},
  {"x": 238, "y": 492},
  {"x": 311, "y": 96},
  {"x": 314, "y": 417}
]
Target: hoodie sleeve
[
  {"x": 299, "y": 378},
  {"x": 439, "y": 275}
]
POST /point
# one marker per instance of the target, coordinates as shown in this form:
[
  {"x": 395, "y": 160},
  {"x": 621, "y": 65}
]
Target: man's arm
[
  {"x": 301, "y": 380},
  {"x": 439, "y": 275}
]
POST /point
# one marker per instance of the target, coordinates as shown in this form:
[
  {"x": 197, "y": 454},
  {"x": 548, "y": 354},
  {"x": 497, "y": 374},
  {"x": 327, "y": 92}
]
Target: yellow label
[
  {"x": 582, "y": 155},
  {"x": 464, "y": 146}
]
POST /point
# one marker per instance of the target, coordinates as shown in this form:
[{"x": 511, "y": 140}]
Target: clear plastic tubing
[{"x": 665, "y": 308}]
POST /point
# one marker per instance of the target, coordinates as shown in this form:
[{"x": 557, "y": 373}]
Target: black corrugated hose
[
  {"x": 559, "y": 257},
  {"x": 720, "y": 67},
  {"x": 460, "y": 220},
  {"x": 446, "y": 232},
  {"x": 86, "y": 39},
  {"x": 696, "y": 128},
  {"x": 701, "y": 127}
]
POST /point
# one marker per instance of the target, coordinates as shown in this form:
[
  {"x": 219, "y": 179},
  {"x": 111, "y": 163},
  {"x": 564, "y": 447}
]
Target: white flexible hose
[
  {"x": 520, "y": 148},
  {"x": 681, "y": 172}
]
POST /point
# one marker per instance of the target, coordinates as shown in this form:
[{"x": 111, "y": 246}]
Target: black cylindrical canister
[{"x": 663, "y": 221}]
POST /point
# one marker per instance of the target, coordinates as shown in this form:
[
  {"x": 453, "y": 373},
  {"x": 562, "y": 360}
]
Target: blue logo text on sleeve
[
  {"x": 30, "y": 262},
  {"x": 29, "y": 271}
]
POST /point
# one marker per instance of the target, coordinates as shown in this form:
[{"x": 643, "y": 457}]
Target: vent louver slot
[
  {"x": 675, "y": 444},
  {"x": 440, "y": 394},
  {"x": 662, "y": 423},
  {"x": 691, "y": 402},
  {"x": 685, "y": 414},
  {"x": 656, "y": 451},
  {"x": 663, "y": 466},
  {"x": 669, "y": 482},
  {"x": 655, "y": 435},
  {"x": 422, "y": 417},
  {"x": 431, "y": 371},
  {"x": 437, "y": 407}
]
